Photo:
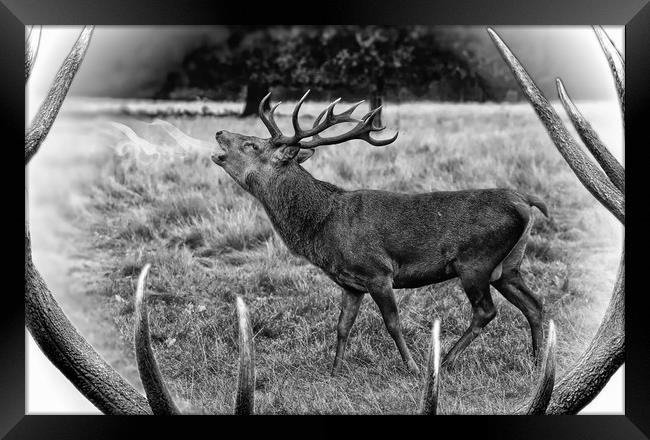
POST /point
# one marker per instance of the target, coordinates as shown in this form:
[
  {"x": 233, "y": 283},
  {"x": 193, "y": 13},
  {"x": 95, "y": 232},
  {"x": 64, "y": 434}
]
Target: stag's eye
[{"x": 251, "y": 145}]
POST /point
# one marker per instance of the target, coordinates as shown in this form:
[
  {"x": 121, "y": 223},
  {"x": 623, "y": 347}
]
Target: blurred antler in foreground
[{"x": 606, "y": 181}]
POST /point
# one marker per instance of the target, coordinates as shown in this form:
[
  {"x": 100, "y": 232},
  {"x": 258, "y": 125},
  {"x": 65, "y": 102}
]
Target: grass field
[{"x": 208, "y": 241}]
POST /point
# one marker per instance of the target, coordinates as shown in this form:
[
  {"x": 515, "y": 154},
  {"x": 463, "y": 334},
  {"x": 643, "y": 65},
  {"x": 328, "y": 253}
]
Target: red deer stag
[
  {"x": 110, "y": 393},
  {"x": 376, "y": 241}
]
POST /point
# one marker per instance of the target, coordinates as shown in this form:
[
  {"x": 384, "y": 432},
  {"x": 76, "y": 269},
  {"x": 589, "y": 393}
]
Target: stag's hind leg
[
  {"x": 350, "y": 303},
  {"x": 477, "y": 288},
  {"x": 512, "y": 286}
]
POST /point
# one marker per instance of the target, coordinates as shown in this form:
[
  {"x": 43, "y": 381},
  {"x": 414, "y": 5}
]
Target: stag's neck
[{"x": 297, "y": 204}]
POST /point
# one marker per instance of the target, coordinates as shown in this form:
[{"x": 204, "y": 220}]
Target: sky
[{"x": 132, "y": 61}]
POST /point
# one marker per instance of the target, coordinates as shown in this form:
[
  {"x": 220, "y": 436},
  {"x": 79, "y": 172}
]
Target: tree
[
  {"x": 377, "y": 60},
  {"x": 252, "y": 54},
  {"x": 246, "y": 58},
  {"x": 368, "y": 56}
]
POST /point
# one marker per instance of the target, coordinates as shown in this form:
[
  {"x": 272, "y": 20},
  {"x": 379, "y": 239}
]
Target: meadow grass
[{"x": 208, "y": 240}]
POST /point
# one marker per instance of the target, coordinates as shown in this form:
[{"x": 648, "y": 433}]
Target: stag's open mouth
[{"x": 218, "y": 156}]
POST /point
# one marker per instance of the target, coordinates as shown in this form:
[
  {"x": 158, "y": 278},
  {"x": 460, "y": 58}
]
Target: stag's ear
[
  {"x": 303, "y": 155},
  {"x": 286, "y": 153}
]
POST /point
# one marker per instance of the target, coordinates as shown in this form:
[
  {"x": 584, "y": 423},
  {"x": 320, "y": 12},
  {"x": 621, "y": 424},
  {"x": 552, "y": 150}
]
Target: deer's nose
[{"x": 219, "y": 133}]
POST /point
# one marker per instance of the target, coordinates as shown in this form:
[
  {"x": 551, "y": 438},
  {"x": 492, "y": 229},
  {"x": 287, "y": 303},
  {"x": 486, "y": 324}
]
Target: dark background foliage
[{"x": 401, "y": 62}]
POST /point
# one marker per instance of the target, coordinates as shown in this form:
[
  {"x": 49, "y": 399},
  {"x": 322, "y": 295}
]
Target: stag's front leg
[
  {"x": 382, "y": 293},
  {"x": 350, "y": 303}
]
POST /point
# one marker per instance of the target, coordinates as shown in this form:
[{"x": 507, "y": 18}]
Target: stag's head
[{"x": 244, "y": 156}]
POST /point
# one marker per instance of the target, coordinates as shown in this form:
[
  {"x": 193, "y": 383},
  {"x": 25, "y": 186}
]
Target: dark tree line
[{"x": 376, "y": 61}]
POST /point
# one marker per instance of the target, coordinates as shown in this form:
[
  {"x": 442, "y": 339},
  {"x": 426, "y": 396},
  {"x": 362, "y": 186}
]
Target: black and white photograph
[{"x": 325, "y": 219}]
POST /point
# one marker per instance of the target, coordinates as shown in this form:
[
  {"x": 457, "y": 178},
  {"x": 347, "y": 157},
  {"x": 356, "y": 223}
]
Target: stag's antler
[
  {"x": 606, "y": 352},
  {"x": 361, "y": 131}
]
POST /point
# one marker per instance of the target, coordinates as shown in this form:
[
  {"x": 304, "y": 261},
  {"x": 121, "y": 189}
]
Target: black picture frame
[{"x": 634, "y": 14}]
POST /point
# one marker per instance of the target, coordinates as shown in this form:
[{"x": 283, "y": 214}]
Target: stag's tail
[
  {"x": 537, "y": 202},
  {"x": 516, "y": 254}
]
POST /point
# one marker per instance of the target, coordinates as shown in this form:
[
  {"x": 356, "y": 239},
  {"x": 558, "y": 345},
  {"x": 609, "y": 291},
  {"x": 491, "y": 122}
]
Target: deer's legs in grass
[
  {"x": 513, "y": 288},
  {"x": 383, "y": 295},
  {"x": 483, "y": 311},
  {"x": 350, "y": 303}
]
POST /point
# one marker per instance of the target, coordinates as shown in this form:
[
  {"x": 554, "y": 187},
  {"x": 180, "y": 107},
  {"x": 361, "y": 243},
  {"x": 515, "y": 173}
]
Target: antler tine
[
  {"x": 347, "y": 112},
  {"x": 325, "y": 120},
  {"x": 159, "y": 399},
  {"x": 371, "y": 114},
  {"x": 361, "y": 131},
  {"x": 352, "y": 108},
  {"x": 318, "y": 118},
  {"x": 50, "y": 108},
  {"x": 546, "y": 381},
  {"x": 368, "y": 124},
  {"x": 605, "y": 159},
  {"x": 591, "y": 177},
  {"x": 330, "y": 120},
  {"x": 272, "y": 115},
  {"x": 296, "y": 111},
  {"x": 245, "y": 399},
  {"x": 330, "y": 109},
  {"x": 429, "y": 399},
  {"x": 31, "y": 49},
  {"x": 615, "y": 61},
  {"x": 269, "y": 122},
  {"x": 381, "y": 142}
]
